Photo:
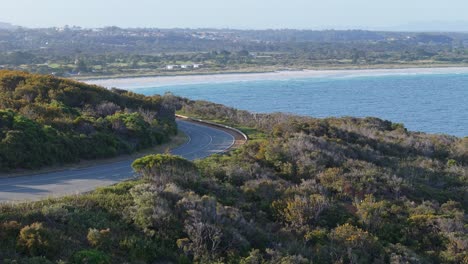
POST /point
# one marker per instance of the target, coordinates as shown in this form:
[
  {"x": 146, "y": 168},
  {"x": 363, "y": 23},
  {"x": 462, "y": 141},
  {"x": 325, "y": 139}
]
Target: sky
[{"x": 240, "y": 14}]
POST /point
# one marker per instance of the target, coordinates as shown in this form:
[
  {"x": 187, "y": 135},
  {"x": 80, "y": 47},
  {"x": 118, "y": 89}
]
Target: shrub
[
  {"x": 99, "y": 238},
  {"x": 8, "y": 233},
  {"x": 90, "y": 257},
  {"x": 9, "y": 229},
  {"x": 152, "y": 212},
  {"x": 56, "y": 212},
  {"x": 354, "y": 245},
  {"x": 254, "y": 257},
  {"x": 303, "y": 211},
  {"x": 163, "y": 169},
  {"x": 145, "y": 249},
  {"x": 37, "y": 240}
]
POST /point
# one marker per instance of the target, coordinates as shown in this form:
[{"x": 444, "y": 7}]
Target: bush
[
  {"x": 144, "y": 249},
  {"x": 99, "y": 238},
  {"x": 37, "y": 240},
  {"x": 163, "y": 169},
  {"x": 9, "y": 229},
  {"x": 90, "y": 257},
  {"x": 152, "y": 212},
  {"x": 8, "y": 233},
  {"x": 56, "y": 212}
]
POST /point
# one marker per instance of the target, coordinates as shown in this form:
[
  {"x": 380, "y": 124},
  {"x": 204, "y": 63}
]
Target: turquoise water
[{"x": 429, "y": 103}]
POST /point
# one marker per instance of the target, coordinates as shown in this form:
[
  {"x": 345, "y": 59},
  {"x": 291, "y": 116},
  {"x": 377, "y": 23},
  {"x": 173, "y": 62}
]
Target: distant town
[{"x": 114, "y": 51}]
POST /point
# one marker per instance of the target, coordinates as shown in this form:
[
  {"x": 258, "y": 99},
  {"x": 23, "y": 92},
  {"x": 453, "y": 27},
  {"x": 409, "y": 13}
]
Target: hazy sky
[{"x": 243, "y": 14}]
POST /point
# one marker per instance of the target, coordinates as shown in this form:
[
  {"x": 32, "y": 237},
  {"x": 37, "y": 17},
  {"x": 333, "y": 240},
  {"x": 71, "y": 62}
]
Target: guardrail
[{"x": 246, "y": 138}]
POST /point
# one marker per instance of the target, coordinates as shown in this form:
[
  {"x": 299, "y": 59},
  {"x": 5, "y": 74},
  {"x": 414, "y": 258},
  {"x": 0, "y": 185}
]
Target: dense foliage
[
  {"x": 46, "y": 120},
  {"x": 337, "y": 190}
]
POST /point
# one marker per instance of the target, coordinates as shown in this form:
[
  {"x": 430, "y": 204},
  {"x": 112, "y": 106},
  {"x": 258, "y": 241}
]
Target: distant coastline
[{"x": 159, "y": 81}]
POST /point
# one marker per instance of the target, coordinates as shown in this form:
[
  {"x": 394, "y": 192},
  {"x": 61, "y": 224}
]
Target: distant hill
[
  {"x": 432, "y": 26},
  {"x": 7, "y": 26}
]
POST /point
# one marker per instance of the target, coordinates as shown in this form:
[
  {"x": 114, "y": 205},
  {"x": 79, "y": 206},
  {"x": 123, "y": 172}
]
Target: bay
[{"x": 435, "y": 103}]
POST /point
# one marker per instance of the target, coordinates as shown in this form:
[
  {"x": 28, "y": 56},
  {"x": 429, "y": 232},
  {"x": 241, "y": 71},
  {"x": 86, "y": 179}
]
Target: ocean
[{"x": 432, "y": 103}]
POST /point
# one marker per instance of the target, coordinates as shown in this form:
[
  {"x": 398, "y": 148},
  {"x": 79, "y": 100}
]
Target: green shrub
[
  {"x": 9, "y": 229},
  {"x": 451, "y": 163},
  {"x": 163, "y": 169},
  {"x": 56, "y": 212},
  {"x": 90, "y": 257},
  {"x": 8, "y": 234},
  {"x": 143, "y": 249}
]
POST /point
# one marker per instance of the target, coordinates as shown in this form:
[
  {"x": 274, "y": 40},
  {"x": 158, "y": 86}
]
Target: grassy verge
[{"x": 175, "y": 141}]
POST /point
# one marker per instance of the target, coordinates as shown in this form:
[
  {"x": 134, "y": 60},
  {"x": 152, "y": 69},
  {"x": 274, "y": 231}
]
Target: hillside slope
[
  {"x": 46, "y": 120},
  {"x": 303, "y": 190}
]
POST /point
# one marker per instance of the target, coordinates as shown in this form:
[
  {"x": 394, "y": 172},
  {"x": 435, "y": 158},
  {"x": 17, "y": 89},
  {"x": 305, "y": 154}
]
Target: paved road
[{"x": 203, "y": 141}]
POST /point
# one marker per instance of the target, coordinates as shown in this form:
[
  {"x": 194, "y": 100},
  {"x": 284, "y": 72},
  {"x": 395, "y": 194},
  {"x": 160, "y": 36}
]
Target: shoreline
[{"x": 193, "y": 79}]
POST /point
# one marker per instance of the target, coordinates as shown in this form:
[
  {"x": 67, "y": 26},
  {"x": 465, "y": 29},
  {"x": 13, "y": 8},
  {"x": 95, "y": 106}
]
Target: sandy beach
[{"x": 159, "y": 81}]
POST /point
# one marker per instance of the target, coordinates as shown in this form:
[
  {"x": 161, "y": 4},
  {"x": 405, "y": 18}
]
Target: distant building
[
  {"x": 196, "y": 66},
  {"x": 183, "y": 66},
  {"x": 171, "y": 67}
]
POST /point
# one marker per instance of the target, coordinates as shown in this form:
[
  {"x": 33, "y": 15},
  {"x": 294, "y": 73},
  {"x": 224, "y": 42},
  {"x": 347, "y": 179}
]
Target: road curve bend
[{"x": 202, "y": 141}]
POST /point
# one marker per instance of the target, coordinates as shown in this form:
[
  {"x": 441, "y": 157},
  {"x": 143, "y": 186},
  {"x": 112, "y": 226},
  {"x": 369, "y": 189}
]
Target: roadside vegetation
[
  {"x": 306, "y": 190},
  {"x": 48, "y": 121}
]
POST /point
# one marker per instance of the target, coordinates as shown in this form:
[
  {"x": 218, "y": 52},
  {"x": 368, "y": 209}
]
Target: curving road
[{"x": 202, "y": 142}]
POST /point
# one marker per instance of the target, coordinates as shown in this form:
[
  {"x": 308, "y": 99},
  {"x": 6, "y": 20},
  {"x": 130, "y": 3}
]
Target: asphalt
[{"x": 202, "y": 141}]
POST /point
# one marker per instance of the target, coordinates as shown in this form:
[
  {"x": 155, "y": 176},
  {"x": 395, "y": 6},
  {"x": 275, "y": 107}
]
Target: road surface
[{"x": 202, "y": 142}]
